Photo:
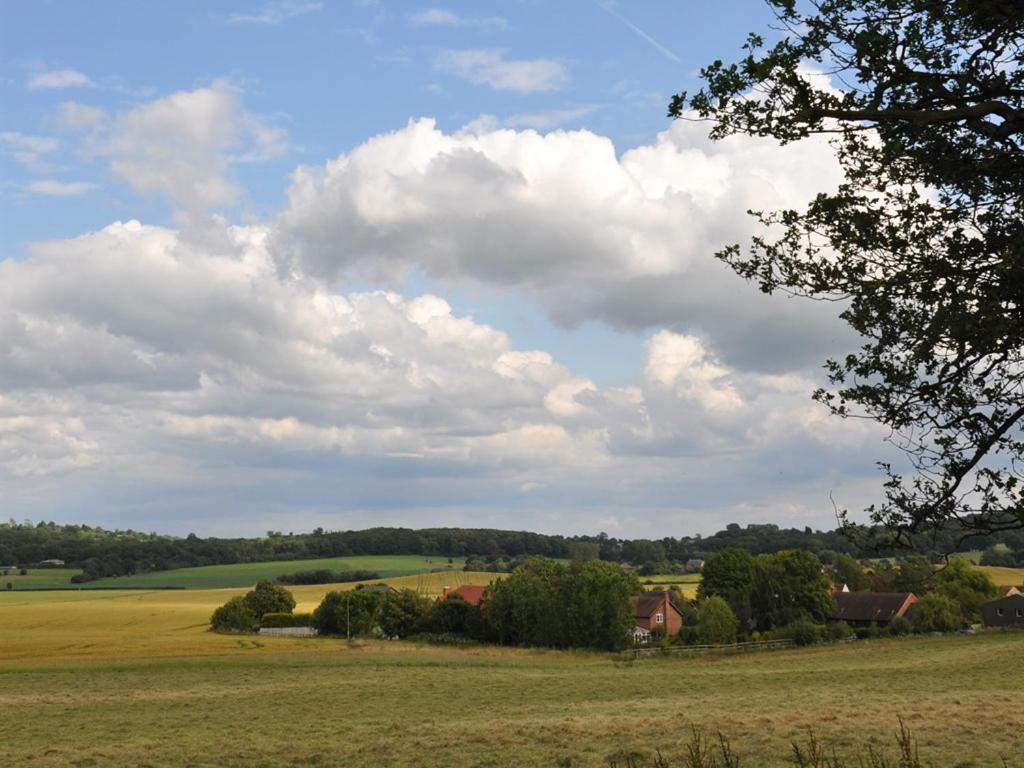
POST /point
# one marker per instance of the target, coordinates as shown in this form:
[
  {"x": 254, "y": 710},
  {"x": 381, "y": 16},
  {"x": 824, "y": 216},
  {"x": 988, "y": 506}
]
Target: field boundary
[{"x": 683, "y": 650}]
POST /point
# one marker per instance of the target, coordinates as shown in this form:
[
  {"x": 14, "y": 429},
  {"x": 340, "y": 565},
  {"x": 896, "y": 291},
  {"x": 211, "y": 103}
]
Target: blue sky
[{"x": 401, "y": 263}]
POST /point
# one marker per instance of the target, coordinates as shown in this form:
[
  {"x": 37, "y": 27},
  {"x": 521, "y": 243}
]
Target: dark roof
[
  {"x": 648, "y": 603},
  {"x": 1014, "y": 600},
  {"x": 868, "y": 606}
]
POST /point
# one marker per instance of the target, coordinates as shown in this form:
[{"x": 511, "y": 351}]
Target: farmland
[
  {"x": 247, "y": 574},
  {"x": 134, "y": 678}
]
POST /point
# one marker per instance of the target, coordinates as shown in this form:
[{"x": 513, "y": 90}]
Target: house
[
  {"x": 653, "y": 611},
  {"x": 1009, "y": 591},
  {"x": 1005, "y": 612},
  {"x": 694, "y": 565},
  {"x": 837, "y": 588},
  {"x": 54, "y": 562},
  {"x": 470, "y": 593},
  {"x": 866, "y": 609}
]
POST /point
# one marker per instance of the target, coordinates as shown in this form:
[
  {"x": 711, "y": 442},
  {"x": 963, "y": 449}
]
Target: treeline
[
  {"x": 542, "y": 603},
  {"x": 325, "y": 576},
  {"x": 101, "y": 553}
]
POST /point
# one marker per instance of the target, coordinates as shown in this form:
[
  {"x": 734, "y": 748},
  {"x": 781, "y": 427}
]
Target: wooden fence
[{"x": 682, "y": 650}]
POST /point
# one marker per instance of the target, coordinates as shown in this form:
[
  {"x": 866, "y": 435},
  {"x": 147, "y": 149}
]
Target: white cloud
[
  {"x": 77, "y": 116},
  {"x": 541, "y": 121},
  {"x": 57, "y": 188},
  {"x": 489, "y": 67},
  {"x": 28, "y": 150},
  {"x": 183, "y": 145},
  {"x": 276, "y": 12},
  {"x": 59, "y": 78},
  {"x": 439, "y": 17},
  {"x": 590, "y": 235},
  {"x": 140, "y": 357}
]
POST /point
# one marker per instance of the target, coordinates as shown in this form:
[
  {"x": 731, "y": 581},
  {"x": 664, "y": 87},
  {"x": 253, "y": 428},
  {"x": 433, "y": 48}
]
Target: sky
[{"x": 289, "y": 264}]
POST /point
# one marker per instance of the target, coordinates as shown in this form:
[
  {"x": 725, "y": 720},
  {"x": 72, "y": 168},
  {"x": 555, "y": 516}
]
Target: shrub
[
  {"x": 10, "y": 585},
  {"x": 716, "y": 623},
  {"x": 234, "y": 616},
  {"x": 403, "y": 613},
  {"x": 268, "y": 597},
  {"x": 23, "y": 572},
  {"x": 348, "y": 613},
  {"x": 899, "y": 627},
  {"x": 869, "y": 633},
  {"x": 278, "y": 620},
  {"x": 804, "y": 632},
  {"x": 838, "y": 630}
]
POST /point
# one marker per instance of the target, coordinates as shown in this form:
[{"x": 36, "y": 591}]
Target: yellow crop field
[{"x": 1004, "y": 577}]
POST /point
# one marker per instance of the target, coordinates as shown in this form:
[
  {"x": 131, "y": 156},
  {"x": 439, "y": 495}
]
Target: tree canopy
[{"x": 922, "y": 244}]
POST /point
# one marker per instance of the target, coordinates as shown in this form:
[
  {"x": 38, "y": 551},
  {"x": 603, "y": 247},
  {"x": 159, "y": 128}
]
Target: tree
[
  {"x": 234, "y": 616},
  {"x": 923, "y": 242},
  {"x": 937, "y": 613},
  {"x": 268, "y": 597},
  {"x": 716, "y": 623},
  {"x": 968, "y": 587},
  {"x": 998, "y": 556},
  {"x": 595, "y": 596},
  {"x": 729, "y": 574},
  {"x": 789, "y": 586},
  {"x": 403, "y": 613},
  {"x": 349, "y": 613},
  {"x": 848, "y": 571},
  {"x": 915, "y": 574}
]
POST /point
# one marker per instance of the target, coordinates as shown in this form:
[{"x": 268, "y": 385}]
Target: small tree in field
[
  {"x": 268, "y": 597},
  {"x": 234, "y": 616},
  {"x": 716, "y": 623}
]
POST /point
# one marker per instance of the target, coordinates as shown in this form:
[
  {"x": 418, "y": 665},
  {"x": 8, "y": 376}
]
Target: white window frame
[{"x": 659, "y": 618}]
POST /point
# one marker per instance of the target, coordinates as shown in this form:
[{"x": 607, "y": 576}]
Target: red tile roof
[{"x": 470, "y": 593}]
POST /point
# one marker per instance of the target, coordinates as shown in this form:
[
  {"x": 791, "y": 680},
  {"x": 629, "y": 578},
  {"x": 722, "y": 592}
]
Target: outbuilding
[{"x": 1005, "y": 612}]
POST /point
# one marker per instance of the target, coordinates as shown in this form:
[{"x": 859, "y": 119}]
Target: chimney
[{"x": 444, "y": 590}]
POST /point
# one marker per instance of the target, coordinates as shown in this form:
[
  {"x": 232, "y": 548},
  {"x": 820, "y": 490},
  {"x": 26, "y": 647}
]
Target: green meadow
[
  {"x": 247, "y": 574},
  {"x": 39, "y": 578},
  {"x": 134, "y": 678}
]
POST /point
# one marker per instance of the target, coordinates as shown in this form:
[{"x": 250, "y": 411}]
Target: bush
[
  {"x": 899, "y": 627},
  {"x": 23, "y": 572},
  {"x": 804, "y": 632},
  {"x": 268, "y": 597},
  {"x": 234, "y": 616},
  {"x": 279, "y": 620},
  {"x": 348, "y": 613},
  {"x": 869, "y": 633},
  {"x": 838, "y": 630}
]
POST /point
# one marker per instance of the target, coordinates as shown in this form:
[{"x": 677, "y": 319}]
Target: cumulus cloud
[
  {"x": 77, "y": 116},
  {"x": 591, "y": 235},
  {"x": 183, "y": 145},
  {"x": 145, "y": 358},
  {"x": 490, "y": 67},
  {"x": 59, "y": 78}
]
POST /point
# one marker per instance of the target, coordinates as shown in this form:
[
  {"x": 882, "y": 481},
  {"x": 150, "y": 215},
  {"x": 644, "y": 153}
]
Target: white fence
[{"x": 289, "y": 631}]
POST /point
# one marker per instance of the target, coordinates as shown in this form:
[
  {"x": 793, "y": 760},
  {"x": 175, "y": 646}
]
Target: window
[
  {"x": 659, "y": 618},
  {"x": 999, "y": 611},
  {"x": 1020, "y": 613}
]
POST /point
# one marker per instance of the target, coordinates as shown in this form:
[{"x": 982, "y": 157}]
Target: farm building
[
  {"x": 865, "y": 609},
  {"x": 1005, "y": 612},
  {"x": 694, "y": 565},
  {"x": 1008, "y": 591},
  {"x": 470, "y": 593},
  {"x": 837, "y": 588},
  {"x": 652, "y": 611}
]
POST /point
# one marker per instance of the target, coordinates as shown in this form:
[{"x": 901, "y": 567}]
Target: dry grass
[
  {"x": 1003, "y": 577},
  {"x": 112, "y": 679}
]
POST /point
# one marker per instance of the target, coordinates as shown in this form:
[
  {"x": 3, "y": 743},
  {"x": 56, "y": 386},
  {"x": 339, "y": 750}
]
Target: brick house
[
  {"x": 654, "y": 610},
  {"x": 868, "y": 609}
]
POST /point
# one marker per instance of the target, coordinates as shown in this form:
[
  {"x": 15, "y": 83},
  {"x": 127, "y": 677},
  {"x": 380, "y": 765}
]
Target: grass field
[
  {"x": 39, "y": 578},
  {"x": 1003, "y": 577},
  {"x": 133, "y": 678},
  {"x": 247, "y": 574}
]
